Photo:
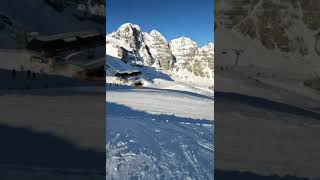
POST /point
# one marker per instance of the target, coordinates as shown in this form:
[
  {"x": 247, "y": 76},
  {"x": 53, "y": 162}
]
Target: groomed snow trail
[
  {"x": 159, "y": 101},
  {"x": 158, "y": 134}
]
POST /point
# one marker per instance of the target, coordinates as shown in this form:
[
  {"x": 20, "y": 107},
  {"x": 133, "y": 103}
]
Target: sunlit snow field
[{"x": 158, "y": 134}]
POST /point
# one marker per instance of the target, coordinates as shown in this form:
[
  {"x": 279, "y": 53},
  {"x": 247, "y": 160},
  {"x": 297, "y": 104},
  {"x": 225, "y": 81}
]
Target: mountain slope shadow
[
  {"x": 265, "y": 104},
  {"x": 22, "y": 80},
  {"x": 114, "y": 109},
  {"x": 222, "y": 175},
  {"x": 22, "y": 148},
  {"x": 126, "y": 88}
]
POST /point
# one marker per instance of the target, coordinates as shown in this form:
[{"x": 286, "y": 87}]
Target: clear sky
[{"x": 173, "y": 18}]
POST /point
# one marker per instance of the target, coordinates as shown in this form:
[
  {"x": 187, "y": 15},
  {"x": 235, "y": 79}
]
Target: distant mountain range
[
  {"x": 269, "y": 33},
  {"x": 181, "y": 57},
  {"x": 283, "y": 25}
]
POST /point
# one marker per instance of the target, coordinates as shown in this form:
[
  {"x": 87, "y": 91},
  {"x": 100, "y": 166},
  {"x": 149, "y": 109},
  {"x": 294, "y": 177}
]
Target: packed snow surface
[{"x": 158, "y": 134}]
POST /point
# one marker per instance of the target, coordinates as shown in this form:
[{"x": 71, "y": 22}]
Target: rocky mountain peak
[
  {"x": 184, "y": 49},
  {"x": 209, "y": 46},
  {"x": 277, "y": 25},
  {"x": 183, "y": 41},
  {"x": 130, "y": 34},
  {"x": 129, "y": 27},
  {"x": 155, "y": 33},
  {"x": 180, "y": 55}
]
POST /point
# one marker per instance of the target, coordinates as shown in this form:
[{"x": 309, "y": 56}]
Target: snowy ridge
[
  {"x": 286, "y": 38},
  {"x": 180, "y": 58}
]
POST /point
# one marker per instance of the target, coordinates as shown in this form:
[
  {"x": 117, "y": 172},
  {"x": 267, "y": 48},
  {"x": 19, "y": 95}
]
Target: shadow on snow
[
  {"x": 265, "y": 104},
  {"x": 25, "y": 150},
  {"x": 114, "y": 109},
  {"x": 126, "y": 88}
]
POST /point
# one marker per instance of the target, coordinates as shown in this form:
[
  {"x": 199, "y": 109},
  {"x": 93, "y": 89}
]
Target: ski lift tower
[
  {"x": 317, "y": 43},
  {"x": 238, "y": 52}
]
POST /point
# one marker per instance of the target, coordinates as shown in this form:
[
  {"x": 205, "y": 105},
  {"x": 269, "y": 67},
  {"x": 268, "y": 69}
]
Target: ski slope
[
  {"x": 158, "y": 134},
  {"x": 168, "y": 102}
]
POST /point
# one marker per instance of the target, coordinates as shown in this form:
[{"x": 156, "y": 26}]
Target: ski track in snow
[
  {"x": 150, "y": 135},
  {"x": 164, "y": 102}
]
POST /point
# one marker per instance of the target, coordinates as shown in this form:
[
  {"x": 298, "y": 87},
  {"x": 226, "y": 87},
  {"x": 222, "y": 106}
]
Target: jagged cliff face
[
  {"x": 159, "y": 49},
  {"x": 199, "y": 61},
  {"x": 277, "y": 25},
  {"x": 130, "y": 35},
  {"x": 129, "y": 43},
  {"x": 203, "y": 62},
  {"x": 185, "y": 50},
  {"x": 152, "y": 49}
]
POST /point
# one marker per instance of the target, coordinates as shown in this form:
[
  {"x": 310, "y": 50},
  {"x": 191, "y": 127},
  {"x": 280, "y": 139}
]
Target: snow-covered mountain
[
  {"x": 275, "y": 24},
  {"x": 180, "y": 57},
  {"x": 268, "y": 33}
]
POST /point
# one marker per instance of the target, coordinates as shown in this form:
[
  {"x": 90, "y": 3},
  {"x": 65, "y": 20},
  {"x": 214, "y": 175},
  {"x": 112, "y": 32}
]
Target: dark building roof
[
  {"x": 62, "y": 41},
  {"x": 127, "y": 73}
]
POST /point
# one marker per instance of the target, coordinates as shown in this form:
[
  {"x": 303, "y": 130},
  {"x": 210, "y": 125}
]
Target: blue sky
[{"x": 173, "y": 18}]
